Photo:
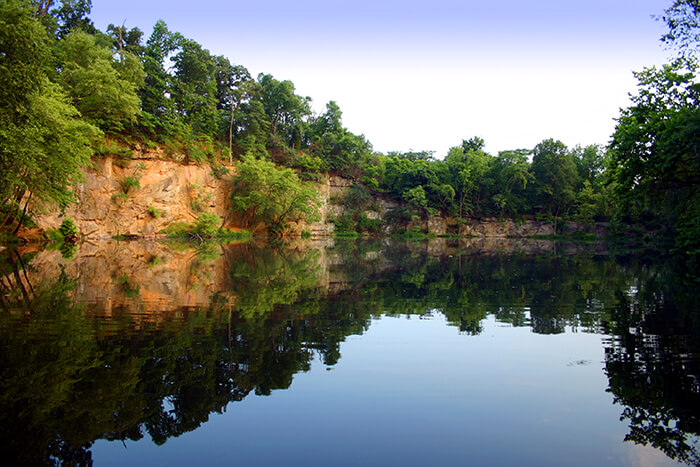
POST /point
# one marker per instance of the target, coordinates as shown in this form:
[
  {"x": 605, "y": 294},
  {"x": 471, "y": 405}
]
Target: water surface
[{"x": 353, "y": 353}]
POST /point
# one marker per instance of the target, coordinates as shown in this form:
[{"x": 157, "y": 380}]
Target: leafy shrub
[
  {"x": 345, "y": 223},
  {"x": 365, "y": 224},
  {"x": 155, "y": 212},
  {"x": 207, "y": 224},
  {"x": 121, "y": 196},
  {"x": 68, "y": 250},
  {"x": 219, "y": 171},
  {"x": 130, "y": 182},
  {"x": 357, "y": 197},
  {"x": 68, "y": 228}
]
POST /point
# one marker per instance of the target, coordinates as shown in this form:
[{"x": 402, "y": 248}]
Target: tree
[
  {"x": 264, "y": 192},
  {"x": 23, "y": 55},
  {"x": 510, "y": 172},
  {"x": 340, "y": 150},
  {"x": 44, "y": 143},
  {"x": 102, "y": 89},
  {"x": 655, "y": 154},
  {"x": 415, "y": 197},
  {"x": 159, "y": 112},
  {"x": 284, "y": 109},
  {"x": 468, "y": 165},
  {"x": 554, "y": 176},
  {"x": 127, "y": 39},
  {"x": 590, "y": 162},
  {"x": 683, "y": 21},
  {"x": 194, "y": 87},
  {"x": 234, "y": 86},
  {"x": 474, "y": 143},
  {"x": 73, "y": 15}
]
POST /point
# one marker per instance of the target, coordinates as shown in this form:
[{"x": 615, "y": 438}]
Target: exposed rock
[
  {"x": 167, "y": 192},
  {"x": 144, "y": 195}
]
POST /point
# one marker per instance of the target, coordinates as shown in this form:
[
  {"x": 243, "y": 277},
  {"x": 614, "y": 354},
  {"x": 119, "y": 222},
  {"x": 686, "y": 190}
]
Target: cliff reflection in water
[{"x": 132, "y": 340}]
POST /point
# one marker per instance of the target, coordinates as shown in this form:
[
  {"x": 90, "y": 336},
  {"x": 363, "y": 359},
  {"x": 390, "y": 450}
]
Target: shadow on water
[{"x": 123, "y": 341}]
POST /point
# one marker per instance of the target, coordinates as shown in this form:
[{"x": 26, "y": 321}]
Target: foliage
[
  {"x": 344, "y": 223},
  {"x": 207, "y": 224},
  {"x": 264, "y": 192},
  {"x": 683, "y": 21},
  {"x": 155, "y": 212},
  {"x": 44, "y": 145},
  {"x": 68, "y": 228},
  {"x": 370, "y": 226},
  {"x": 553, "y": 176},
  {"x": 128, "y": 183},
  {"x": 63, "y": 84},
  {"x": 101, "y": 88},
  {"x": 357, "y": 197},
  {"x": 654, "y": 154}
]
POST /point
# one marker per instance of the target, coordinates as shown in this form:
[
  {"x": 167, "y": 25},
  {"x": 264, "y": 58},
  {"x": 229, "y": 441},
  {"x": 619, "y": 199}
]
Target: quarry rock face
[
  {"x": 141, "y": 197},
  {"x": 144, "y": 195}
]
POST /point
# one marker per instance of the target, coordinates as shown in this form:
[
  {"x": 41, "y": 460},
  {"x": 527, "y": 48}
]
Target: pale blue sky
[{"x": 425, "y": 75}]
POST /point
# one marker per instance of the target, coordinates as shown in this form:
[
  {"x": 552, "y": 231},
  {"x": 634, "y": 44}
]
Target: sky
[{"x": 425, "y": 75}]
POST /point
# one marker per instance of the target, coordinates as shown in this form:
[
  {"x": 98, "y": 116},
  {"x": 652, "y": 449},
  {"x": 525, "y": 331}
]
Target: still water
[{"x": 352, "y": 353}]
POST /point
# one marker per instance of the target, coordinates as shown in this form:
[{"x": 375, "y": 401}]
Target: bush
[
  {"x": 365, "y": 224},
  {"x": 130, "y": 182},
  {"x": 155, "y": 212},
  {"x": 120, "y": 197},
  {"x": 207, "y": 224},
  {"x": 357, "y": 197},
  {"x": 68, "y": 228},
  {"x": 344, "y": 223}
]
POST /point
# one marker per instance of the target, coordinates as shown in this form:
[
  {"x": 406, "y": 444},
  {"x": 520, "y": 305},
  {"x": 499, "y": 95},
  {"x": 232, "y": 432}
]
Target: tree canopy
[
  {"x": 264, "y": 192},
  {"x": 65, "y": 85}
]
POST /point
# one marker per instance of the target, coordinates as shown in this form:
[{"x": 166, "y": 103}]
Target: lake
[{"x": 348, "y": 352}]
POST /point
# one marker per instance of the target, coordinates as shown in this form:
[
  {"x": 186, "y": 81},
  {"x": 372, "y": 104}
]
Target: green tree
[
  {"x": 473, "y": 144},
  {"x": 590, "y": 162},
  {"x": 194, "y": 87},
  {"x": 654, "y": 154},
  {"x": 234, "y": 87},
  {"x": 129, "y": 40},
  {"x": 683, "y": 21},
  {"x": 158, "y": 107},
  {"x": 264, "y": 192},
  {"x": 468, "y": 165},
  {"x": 554, "y": 176},
  {"x": 44, "y": 143},
  {"x": 285, "y": 111},
  {"x": 340, "y": 150},
  {"x": 510, "y": 172},
  {"x": 101, "y": 88},
  {"x": 73, "y": 15}
]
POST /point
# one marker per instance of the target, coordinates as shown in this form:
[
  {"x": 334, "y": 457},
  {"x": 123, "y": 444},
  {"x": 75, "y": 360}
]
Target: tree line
[{"x": 69, "y": 90}]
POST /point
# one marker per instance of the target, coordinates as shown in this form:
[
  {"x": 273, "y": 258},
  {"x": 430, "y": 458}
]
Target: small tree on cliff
[{"x": 266, "y": 193}]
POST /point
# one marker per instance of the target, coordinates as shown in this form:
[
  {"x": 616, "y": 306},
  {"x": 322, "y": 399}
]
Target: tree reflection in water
[
  {"x": 70, "y": 376},
  {"x": 651, "y": 360}
]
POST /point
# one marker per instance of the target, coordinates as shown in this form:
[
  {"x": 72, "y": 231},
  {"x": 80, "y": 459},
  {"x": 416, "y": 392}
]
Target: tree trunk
[
  {"x": 24, "y": 212},
  {"x": 230, "y": 139}
]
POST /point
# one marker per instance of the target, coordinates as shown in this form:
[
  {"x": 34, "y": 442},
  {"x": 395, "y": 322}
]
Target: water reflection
[
  {"x": 124, "y": 341},
  {"x": 652, "y": 364}
]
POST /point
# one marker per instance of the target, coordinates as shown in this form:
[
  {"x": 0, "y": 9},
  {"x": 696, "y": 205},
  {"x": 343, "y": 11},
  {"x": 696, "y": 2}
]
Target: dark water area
[{"x": 349, "y": 353}]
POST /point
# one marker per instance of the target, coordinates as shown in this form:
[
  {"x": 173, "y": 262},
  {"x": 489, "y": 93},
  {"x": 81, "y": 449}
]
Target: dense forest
[{"x": 69, "y": 92}]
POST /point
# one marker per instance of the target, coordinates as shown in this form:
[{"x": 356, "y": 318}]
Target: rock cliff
[{"x": 143, "y": 195}]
